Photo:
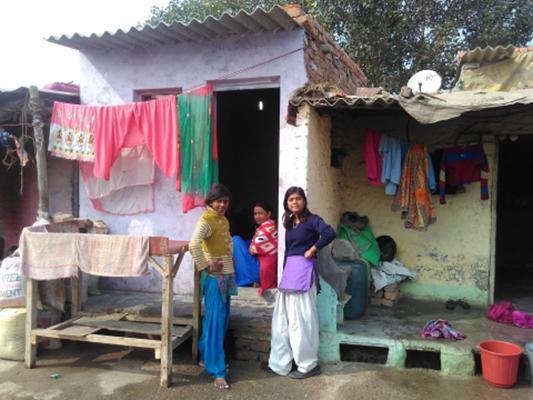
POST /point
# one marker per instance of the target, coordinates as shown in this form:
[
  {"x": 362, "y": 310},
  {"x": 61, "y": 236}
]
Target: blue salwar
[
  {"x": 246, "y": 265},
  {"x": 214, "y": 326}
]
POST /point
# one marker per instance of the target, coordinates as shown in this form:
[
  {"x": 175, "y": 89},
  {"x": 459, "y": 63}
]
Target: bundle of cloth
[
  {"x": 356, "y": 229},
  {"x": 506, "y": 313},
  {"x": 389, "y": 271},
  {"x": 441, "y": 329}
]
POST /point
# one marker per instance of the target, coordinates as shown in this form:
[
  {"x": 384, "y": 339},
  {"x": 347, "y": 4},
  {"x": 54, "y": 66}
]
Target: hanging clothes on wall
[
  {"x": 129, "y": 189},
  {"x": 413, "y": 198},
  {"x": 392, "y": 151},
  {"x": 461, "y": 165},
  {"x": 153, "y": 123},
  {"x": 198, "y": 146},
  {"x": 118, "y": 145},
  {"x": 98, "y": 133},
  {"x": 72, "y": 129},
  {"x": 372, "y": 158}
]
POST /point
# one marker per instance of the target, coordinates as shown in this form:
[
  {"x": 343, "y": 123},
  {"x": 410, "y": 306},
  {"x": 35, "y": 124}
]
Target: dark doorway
[
  {"x": 248, "y": 148},
  {"x": 514, "y": 239}
]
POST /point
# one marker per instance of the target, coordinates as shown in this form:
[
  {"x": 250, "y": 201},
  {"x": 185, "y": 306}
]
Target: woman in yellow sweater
[{"x": 212, "y": 250}]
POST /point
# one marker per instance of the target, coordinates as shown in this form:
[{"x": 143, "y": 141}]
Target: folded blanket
[{"x": 47, "y": 255}]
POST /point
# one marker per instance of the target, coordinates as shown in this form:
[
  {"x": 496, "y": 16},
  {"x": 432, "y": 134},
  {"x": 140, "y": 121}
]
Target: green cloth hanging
[
  {"x": 198, "y": 147},
  {"x": 363, "y": 241}
]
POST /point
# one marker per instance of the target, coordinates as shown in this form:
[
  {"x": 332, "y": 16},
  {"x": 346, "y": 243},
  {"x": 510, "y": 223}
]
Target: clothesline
[
  {"x": 246, "y": 69},
  {"x": 21, "y": 124}
]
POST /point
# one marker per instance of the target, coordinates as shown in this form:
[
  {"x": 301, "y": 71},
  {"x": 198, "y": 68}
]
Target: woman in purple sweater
[{"x": 295, "y": 317}]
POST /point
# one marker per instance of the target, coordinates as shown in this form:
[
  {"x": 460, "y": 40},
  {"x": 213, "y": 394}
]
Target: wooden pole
[
  {"x": 167, "y": 314},
  {"x": 31, "y": 323},
  {"x": 40, "y": 152}
]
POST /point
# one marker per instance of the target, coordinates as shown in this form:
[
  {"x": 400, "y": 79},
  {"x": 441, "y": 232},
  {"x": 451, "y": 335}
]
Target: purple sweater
[{"x": 314, "y": 231}]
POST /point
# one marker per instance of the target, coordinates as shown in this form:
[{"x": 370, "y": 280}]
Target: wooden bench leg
[
  {"x": 30, "y": 351},
  {"x": 75, "y": 287},
  {"x": 167, "y": 314}
]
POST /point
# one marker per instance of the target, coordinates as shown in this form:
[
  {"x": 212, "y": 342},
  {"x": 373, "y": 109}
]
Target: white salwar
[{"x": 295, "y": 332}]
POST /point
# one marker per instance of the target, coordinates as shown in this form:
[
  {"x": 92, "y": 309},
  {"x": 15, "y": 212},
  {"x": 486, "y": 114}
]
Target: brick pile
[
  {"x": 388, "y": 296},
  {"x": 325, "y": 61}
]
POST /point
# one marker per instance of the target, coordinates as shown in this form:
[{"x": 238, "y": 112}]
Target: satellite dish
[{"x": 426, "y": 81}]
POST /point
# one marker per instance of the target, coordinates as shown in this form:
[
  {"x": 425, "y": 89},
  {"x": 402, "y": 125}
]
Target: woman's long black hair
[{"x": 288, "y": 217}]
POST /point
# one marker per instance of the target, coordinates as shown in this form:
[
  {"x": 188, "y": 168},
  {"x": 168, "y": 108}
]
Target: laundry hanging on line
[
  {"x": 117, "y": 146},
  {"x": 98, "y": 133},
  {"x": 72, "y": 130},
  {"x": 372, "y": 158},
  {"x": 198, "y": 146},
  {"x": 413, "y": 198},
  {"x": 462, "y": 165},
  {"x": 392, "y": 151},
  {"x": 129, "y": 189}
]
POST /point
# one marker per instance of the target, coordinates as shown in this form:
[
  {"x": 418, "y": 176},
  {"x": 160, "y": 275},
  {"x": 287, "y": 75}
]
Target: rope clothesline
[
  {"x": 14, "y": 125},
  {"x": 246, "y": 69}
]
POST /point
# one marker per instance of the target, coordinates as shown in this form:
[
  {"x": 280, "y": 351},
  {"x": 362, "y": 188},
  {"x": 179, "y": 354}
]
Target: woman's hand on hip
[{"x": 311, "y": 252}]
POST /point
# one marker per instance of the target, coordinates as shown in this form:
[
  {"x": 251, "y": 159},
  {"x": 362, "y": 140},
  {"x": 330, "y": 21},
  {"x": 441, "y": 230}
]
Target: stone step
[{"x": 249, "y": 295}]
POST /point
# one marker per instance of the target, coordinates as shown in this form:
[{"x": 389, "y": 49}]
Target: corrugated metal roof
[
  {"x": 372, "y": 102},
  {"x": 331, "y": 97},
  {"x": 486, "y": 54},
  {"x": 259, "y": 20}
]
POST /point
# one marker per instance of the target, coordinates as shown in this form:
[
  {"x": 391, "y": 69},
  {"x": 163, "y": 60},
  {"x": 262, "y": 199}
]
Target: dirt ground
[{"x": 88, "y": 371}]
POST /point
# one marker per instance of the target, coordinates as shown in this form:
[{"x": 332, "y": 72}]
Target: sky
[{"x": 27, "y": 59}]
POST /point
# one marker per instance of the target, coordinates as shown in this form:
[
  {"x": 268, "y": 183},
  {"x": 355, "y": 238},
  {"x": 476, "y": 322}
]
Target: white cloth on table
[
  {"x": 295, "y": 332},
  {"x": 59, "y": 255}
]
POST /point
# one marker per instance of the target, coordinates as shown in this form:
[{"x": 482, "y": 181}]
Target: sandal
[
  {"x": 221, "y": 383},
  {"x": 450, "y": 304},
  {"x": 463, "y": 304}
]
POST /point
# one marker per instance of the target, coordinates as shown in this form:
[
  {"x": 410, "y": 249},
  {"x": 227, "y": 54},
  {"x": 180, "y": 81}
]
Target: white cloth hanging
[{"x": 129, "y": 189}]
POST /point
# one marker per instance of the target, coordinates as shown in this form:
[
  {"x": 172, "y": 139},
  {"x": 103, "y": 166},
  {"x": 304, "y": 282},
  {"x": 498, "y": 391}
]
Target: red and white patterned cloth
[{"x": 265, "y": 243}]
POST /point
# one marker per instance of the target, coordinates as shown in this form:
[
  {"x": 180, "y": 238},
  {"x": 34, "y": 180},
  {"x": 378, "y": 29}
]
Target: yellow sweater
[{"x": 211, "y": 240}]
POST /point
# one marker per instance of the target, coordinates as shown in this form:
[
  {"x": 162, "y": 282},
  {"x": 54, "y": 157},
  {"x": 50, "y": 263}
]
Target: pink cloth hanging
[
  {"x": 72, "y": 131},
  {"x": 98, "y": 133},
  {"x": 153, "y": 123},
  {"x": 372, "y": 157}
]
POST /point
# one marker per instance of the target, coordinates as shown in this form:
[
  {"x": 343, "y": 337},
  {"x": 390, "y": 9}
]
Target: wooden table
[{"x": 163, "y": 334}]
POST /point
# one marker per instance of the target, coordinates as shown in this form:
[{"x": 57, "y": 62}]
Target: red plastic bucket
[{"x": 499, "y": 362}]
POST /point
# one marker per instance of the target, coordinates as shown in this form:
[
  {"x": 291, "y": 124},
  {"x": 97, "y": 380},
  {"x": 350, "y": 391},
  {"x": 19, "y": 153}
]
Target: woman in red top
[{"x": 265, "y": 246}]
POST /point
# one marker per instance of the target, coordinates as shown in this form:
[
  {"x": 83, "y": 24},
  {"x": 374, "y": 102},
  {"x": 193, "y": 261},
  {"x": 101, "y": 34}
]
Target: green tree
[{"x": 392, "y": 39}]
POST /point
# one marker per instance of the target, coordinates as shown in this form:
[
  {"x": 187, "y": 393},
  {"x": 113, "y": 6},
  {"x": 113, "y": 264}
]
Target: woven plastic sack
[
  {"x": 11, "y": 282},
  {"x": 12, "y": 322}
]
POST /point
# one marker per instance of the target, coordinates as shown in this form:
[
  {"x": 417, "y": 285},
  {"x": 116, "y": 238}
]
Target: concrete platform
[
  {"x": 398, "y": 330},
  {"x": 395, "y": 330}
]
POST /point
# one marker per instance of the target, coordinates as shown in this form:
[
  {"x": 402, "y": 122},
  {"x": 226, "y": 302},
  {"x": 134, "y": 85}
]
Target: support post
[
  {"x": 196, "y": 315},
  {"x": 30, "y": 351},
  {"x": 167, "y": 314},
  {"x": 75, "y": 287},
  {"x": 40, "y": 152}
]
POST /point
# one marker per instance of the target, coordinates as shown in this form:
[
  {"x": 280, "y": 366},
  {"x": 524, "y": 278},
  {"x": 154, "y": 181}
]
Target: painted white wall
[
  {"x": 110, "y": 77},
  {"x": 61, "y": 184}
]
